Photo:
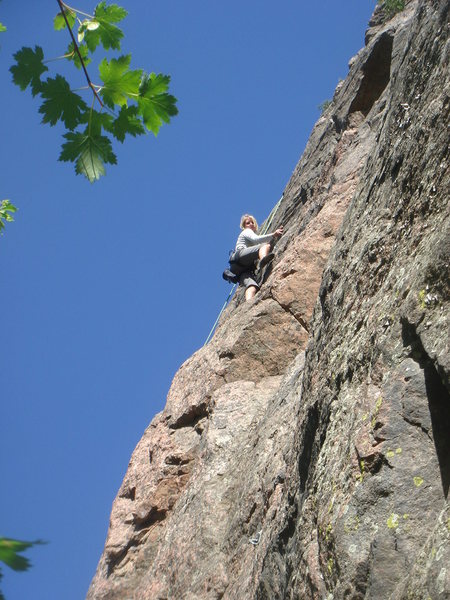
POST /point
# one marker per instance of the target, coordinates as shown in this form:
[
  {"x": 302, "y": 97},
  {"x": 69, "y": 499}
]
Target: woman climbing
[{"x": 251, "y": 251}]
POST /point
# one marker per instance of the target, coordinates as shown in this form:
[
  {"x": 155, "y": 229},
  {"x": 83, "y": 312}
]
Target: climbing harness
[{"x": 264, "y": 229}]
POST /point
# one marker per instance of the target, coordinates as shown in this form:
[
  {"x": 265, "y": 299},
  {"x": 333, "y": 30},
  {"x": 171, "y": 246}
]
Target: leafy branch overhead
[{"x": 125, "y": 101}]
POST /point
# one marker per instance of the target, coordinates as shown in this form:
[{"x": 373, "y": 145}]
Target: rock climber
[{"x": 252, "y": 251}]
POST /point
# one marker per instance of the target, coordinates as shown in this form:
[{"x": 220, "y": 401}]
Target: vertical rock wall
[{"x": 304, "y": 452}]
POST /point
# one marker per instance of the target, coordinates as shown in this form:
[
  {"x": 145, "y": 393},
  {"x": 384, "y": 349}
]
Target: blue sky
[{"x": 108, "y": 288}]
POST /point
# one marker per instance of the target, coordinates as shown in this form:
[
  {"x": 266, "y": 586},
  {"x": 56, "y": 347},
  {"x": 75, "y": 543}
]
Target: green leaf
[
  {"x": 107, "y": 34},
  {"x": 61, "y": 103},
  {"x": 6, "y": 205},
  {"x": 2, "y": 27},
  {"x": 110, "y": 14},
  {"x": 89, "y": 152},
  {"x": 119, "y": 82},
  {"x": 5, "y": 208},
  {"x": 97, "y": 121},
  {"x": 9, "y": 550},
  {"x": 127, "y": 122},
  {"x": 155, "y": 105},
  {"x": 60, "y": 23},
  {"x": 73, "y": 54},
  {"x": 157, "y": 84},
  {"x": 15, "y": 561},
  {"x": 29, "y": 68}
]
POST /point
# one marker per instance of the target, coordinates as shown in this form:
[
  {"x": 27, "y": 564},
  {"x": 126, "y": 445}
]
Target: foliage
[
  {"x": 128, "y": 101},
  {"x": 324, "y": 105},
  {"x": 391, "y": 7},
  {"x": 10, "y": 554},
  {"x": 2, "y": 27},
  {"x": 5, "y": 209}
]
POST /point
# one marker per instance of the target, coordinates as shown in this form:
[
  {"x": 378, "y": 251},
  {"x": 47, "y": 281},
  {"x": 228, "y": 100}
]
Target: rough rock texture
[{"x": 305, "y": 451}]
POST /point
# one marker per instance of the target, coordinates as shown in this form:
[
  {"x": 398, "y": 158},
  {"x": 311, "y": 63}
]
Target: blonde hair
[{"x": 245, "y": 217}]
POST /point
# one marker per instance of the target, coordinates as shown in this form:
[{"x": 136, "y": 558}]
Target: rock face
[{"x": 304, "y": 453}]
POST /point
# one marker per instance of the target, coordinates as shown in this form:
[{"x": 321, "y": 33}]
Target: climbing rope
[
  {"x": 268, "y": 222},
  {"x": 263, "y": 230}
]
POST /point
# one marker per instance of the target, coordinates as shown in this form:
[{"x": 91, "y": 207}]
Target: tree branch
[{"x": 90, "y": 84}]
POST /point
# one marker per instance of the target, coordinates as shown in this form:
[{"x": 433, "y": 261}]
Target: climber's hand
[{"x": 279, "y": 232}]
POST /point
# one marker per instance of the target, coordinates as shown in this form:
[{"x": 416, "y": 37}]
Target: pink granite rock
[{"x": 304, "y": 452}]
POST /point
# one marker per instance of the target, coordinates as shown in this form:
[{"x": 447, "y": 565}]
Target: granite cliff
[{"x": 304, "y": 452}]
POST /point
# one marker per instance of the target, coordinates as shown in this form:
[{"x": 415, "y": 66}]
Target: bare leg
[
  {"x": 250, "y": 292},
  {"x": 264, "y": 251}
]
